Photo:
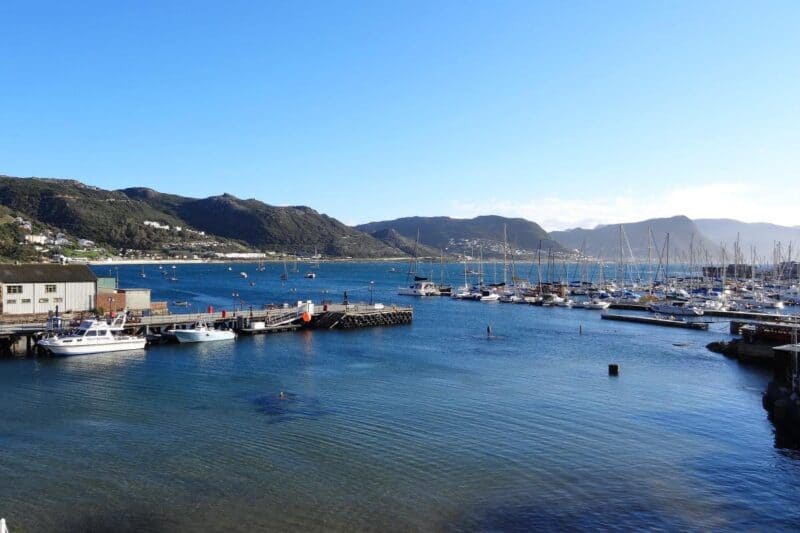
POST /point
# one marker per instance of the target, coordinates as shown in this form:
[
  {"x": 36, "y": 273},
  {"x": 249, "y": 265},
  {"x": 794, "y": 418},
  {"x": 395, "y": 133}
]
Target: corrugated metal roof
[{"x": 43, "y": 273}]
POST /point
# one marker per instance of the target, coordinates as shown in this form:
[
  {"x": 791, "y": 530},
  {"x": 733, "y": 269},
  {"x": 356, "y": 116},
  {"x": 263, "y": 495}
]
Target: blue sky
[{"x": 566, "y": 113}]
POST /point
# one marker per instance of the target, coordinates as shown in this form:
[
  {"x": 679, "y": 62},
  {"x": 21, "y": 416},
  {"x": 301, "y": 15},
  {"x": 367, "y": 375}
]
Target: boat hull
[
  {"x": 88, "y": 349},
  {"x": 188, "y": 336}
]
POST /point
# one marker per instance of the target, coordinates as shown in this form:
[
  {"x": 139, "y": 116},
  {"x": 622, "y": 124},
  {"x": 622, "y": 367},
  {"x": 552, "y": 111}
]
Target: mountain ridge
[
  {"x": 116, "y": 218},
  {"x": 460, "y": 235}
]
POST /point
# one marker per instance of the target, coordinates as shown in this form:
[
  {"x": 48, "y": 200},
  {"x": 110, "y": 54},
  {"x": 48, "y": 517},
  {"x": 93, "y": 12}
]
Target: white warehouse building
[{"x": 40, "y": 288}]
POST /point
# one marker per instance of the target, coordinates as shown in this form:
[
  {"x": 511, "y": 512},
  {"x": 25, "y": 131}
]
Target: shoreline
[{"x": 113, "y": 262}]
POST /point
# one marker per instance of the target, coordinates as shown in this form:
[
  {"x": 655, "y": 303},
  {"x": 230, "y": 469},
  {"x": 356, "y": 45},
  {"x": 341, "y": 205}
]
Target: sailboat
[
  {"x": 445, "y": 289},
  {"x": 285, "y": 275},
  {"x": 421, "y": 286},
  {"x": 316, "y": 256}
]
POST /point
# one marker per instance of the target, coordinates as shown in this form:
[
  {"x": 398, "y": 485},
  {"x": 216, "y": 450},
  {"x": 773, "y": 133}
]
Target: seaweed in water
[{"x": 286, "y": 406}]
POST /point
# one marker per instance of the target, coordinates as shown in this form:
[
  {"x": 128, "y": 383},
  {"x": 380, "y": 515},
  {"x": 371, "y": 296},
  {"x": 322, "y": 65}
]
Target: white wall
[
  {"x": 68, "y": 297},
  {"x": 137, "y": 299}
]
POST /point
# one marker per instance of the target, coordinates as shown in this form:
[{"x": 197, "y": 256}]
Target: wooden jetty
[
  {"x": 655, "y": 321},
  {"x": 247, "y": 322}
]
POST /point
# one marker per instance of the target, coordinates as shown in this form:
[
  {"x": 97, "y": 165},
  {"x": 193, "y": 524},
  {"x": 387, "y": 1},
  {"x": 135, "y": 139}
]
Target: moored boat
[
  {"x": 676, "y": 308},
  {"x": 201, "y": 332},
  {"x": 94, "y": 336},
  {"x": 596, "y": 304},
  {"x": 421, "y": 287}
]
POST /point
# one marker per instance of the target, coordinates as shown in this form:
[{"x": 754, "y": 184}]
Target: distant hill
[
  {"x": 409, "y": 246},
  {"x": 455, "y": 235},
  {"x": 759, "y": 234},
  {"x": 116, "y": 219},
  {"x": 290, "y": 229},
  {"x": 81, "y": 210},
  {"x": 604, "y": 241}
]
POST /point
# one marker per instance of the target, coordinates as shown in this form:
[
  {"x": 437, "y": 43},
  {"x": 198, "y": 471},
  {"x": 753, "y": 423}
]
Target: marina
[
  {"x": 269, "y": 416},
  {"x": 399, "y": 267}
]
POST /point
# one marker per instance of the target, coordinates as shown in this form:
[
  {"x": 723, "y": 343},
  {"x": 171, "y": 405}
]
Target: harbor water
[{"x": 430, "y": 426}]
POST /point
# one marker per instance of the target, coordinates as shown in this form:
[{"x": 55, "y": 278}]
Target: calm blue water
[{"x": 422, "y": 427}]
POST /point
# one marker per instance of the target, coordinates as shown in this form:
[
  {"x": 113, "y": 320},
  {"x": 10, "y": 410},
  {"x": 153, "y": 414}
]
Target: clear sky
[{"x": 566, "y": 113}]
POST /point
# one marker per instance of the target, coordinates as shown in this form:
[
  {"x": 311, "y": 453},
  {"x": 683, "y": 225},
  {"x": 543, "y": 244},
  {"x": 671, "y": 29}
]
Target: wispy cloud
[{"x": 741, "y": 201}]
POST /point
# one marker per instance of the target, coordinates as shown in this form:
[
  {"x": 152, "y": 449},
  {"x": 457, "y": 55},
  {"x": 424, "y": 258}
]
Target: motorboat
[
  {"x": 550, "y": 299},
  {"x": 419, "y": 288},
  {"x": 311, "y": 275},
  {"x": 243, "y": 275},
  {"x": 487, "y": 295},
  {"x": 596, "y": 303},
  {"x": 676, "y": 308},
  {"x": 462, "y": 293},
  {"x": 201, "y": 332},
  {"x": 94, "y": 336}
]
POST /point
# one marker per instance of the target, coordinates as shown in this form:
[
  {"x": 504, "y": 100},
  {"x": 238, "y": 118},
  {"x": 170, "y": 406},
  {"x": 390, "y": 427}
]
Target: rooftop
[{"x": 44, "y": 273}]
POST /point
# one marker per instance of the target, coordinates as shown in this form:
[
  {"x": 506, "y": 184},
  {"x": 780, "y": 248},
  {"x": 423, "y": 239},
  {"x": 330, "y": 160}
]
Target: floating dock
[{"x": 655, "y": 321}]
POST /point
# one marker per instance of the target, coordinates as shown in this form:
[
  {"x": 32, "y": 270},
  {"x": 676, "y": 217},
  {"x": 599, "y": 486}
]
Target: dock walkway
[{"x": 255, "y": 321}]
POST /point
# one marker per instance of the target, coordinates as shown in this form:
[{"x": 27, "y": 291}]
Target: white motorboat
[
  {"x": 488, "y": 296},
  {"x": 676, "y": 308},
  {"x": 596, "y": 304},
  {"x": 462, "y": 294},
  {"x": 243, "y": 275},
  {"x": 310, "y": 275},
  {"x": 550, "y": 300},
  {"x": 94, "y": 336},
  {"x": 419, "y": 288},
  {"x": 200, "y": 332}
]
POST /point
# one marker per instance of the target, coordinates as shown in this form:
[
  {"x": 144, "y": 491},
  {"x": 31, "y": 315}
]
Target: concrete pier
[
  {"x": 247, "y": 322},
  {"x": 655, "y": 321}
]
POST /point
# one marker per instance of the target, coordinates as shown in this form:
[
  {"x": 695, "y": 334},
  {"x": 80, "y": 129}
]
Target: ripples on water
[{"x": 426, "y": 427}]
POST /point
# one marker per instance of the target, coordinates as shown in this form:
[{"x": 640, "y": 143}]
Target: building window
[
  {"x": 58, "y": 300},
  {"x": 11, "y": 302},
  {"x": 43, "y": 300},
  {"x": 26, "y": 300},
  {"x": 49, "y": 288},
  {"x": 14, "y": 289}
]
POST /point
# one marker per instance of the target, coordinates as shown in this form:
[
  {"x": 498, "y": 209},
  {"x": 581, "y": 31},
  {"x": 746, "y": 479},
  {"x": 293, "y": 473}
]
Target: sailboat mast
[{"x": 505, "y": 258}]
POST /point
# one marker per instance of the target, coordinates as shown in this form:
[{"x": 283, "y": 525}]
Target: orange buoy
[{"x": 306, "y": 317}]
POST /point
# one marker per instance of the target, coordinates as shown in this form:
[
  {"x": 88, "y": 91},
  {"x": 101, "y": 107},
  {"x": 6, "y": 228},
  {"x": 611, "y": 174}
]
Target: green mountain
[
  {"x": 456, "y": 235},
  {"x": 604, "y": 241},
  {"x": 83, "y": 211},
  {"x": 294, "y": 229},
  {"x": 117, "y": 219}
]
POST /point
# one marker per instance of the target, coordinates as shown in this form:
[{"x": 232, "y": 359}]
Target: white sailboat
[{"x": 417, "y": 286}]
